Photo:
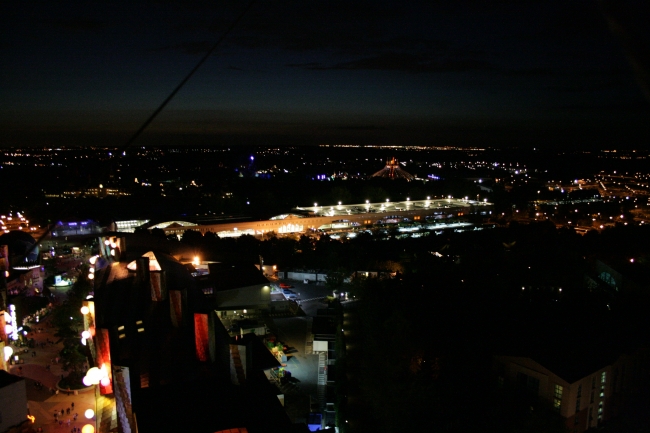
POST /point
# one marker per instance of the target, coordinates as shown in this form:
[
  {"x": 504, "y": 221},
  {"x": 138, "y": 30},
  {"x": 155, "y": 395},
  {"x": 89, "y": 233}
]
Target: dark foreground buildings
[{"x": 166, "y": 361}]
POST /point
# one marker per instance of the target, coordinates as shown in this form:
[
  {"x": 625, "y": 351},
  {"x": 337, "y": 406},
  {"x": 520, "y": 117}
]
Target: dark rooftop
[
  {"x": 571, "y": 342},
  {"x": 7, "y": 379},
  {"x": 323, "y": 325},
  {"x": 228, "y": 276},
  {"x": 207, "y": 406}
]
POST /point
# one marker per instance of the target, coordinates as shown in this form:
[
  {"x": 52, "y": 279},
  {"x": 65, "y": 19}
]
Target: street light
[{"x": 8, "y": 351}]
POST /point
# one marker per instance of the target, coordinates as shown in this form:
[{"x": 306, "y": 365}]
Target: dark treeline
[
  {"x": 535, "y": 253},
  {"x": 425, "y": 340}
]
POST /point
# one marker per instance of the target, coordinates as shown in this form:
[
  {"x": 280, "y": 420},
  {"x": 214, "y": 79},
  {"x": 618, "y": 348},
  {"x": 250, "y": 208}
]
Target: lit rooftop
[{"x": 390, "y": 206}]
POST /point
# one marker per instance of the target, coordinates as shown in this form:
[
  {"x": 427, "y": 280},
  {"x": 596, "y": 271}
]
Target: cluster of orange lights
[{"x": 11, "y": 222}]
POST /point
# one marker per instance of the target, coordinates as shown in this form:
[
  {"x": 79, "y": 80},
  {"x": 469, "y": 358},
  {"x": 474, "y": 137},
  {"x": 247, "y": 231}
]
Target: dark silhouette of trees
[
  {"x": 159, "y": 233},
  {"x": 192, "y": 238}
]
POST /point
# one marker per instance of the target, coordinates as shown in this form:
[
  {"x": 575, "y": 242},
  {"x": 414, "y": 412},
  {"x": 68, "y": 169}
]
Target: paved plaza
[{"x": 43, "y": 401}]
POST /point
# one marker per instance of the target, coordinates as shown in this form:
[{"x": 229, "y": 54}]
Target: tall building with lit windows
[{"x": 585, "y": 395}]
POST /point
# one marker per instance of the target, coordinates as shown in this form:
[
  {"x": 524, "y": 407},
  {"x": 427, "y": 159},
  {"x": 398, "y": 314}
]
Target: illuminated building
[
  {"x": 72, "y": 228},
  {"x": 129, "y": 226},
  {"x": 342, "y": 217},
  {"x": 393, "y": 171}
]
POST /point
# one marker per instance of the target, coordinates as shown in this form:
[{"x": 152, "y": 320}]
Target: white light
[
  {"x": 92, "y": 260},
  {"x": 86, "y": 381},
  {"x": 85, "y": 310},
  {"x": 91, "y": 270},
  {"x": 107, "y": 242},
  {"x": 105, "y": 381},
  {"x": 14, "y": 333},
  {"x": 9, "y": 329},
  {"x": 112, "y": 252},
  {"x": 91, "y": 276},
  {"x": 85, "y": 334},
  {"x": 8, "y": 351},
  {"x": 89, "y": 413},
  {"x": 83, "y": 341},
  {"x": 94, "y": 375}
]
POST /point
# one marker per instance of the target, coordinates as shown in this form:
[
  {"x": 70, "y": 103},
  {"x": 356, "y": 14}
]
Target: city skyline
[{"x": 430, "y": 73}]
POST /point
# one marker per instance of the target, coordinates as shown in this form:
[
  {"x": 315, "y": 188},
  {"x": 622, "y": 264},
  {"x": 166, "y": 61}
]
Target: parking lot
[{"x": 308, "y": 295}]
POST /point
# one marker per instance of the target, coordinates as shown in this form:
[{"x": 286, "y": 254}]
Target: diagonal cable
[
  {"x": 185, "y": 80},
  {"x": 163, "y": 104}
]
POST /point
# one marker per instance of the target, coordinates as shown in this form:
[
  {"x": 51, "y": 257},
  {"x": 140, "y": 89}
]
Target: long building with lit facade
[{"x": 341, "y": 217}]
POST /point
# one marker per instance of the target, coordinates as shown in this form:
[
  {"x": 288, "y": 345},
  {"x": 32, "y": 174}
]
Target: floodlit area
[{"x": 389, "y": 206}]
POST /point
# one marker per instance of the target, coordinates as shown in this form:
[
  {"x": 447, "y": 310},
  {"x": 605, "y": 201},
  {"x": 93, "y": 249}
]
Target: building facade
[
  {"x": 584, "y": 399},
  {"x": 344, "y": 217}
]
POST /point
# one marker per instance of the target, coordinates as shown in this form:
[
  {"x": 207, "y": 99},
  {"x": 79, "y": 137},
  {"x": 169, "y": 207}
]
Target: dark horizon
[
  {"x": 551, "y": 73},
  {"x": 591, "y": 139}
]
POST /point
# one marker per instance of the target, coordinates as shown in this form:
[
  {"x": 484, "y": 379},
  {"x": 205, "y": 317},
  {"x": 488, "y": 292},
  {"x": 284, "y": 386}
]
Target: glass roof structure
[{"x": 390, "y": 206}]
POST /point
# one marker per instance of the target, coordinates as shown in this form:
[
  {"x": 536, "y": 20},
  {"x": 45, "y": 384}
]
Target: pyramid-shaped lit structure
[{"x": 393, "y": 171}]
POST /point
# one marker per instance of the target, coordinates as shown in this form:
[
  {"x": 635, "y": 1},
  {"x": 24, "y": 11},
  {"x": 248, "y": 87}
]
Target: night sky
[{"x": 461, "y": 72}]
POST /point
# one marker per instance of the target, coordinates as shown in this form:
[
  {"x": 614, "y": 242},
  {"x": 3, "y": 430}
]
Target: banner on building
[
  {"x": 104, "y": 360},
  {"x": 157, "y": 280},
  {"x": 176, "y": 307},
  {"x": 201, "y": 336}
]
